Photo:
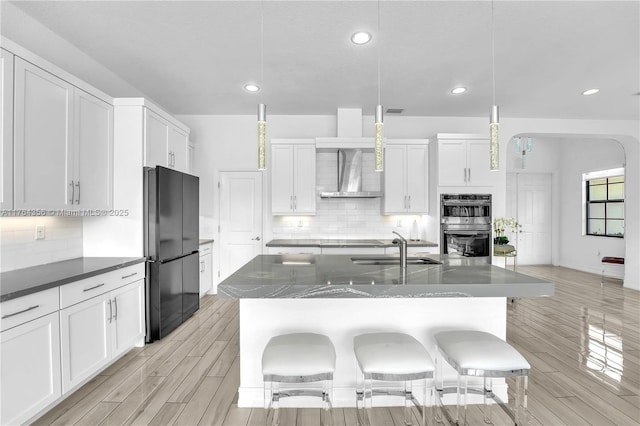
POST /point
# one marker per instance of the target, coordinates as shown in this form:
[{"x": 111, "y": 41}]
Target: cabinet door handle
[
  {"x": 409, "y": 202},
  {"x": 73, "y": 192},
  {"x": 295, "y": 202},
  {"x": 291, "y": 202},
  {"x": 256, "y": 238},
  {"x": 94, "y": 287},
  {"x": 115, "y": 310},
  {"x": 78, "y": 186},
  {"x": 130, "y": 275},
  {"x": 201, "y": 266},
  {"x": 30, "y": 308},
  {"x": 110, "y": 311},
  {"x": 469, "y": 174}
]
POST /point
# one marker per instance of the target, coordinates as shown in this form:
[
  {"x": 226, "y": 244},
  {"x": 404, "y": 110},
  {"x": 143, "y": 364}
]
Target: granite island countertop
[
  {"x": 336, "y": 276},
  {"x": 25, "y": 281},
  {"x": 343, "y": 243}
]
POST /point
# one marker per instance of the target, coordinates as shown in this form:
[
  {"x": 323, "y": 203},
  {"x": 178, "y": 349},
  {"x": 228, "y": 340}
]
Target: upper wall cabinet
[
  {"x": 293, "y": 176},
  {"x": 63, "y": 143},
  {"x": 406, "y": 177},
  {"x": 43, "y": 144},
  {"x": 6, "y": 129},
  {"x": 165, "y": 143},
  {"x": 463, "y": 160},
  {"x": 93, "y": 119}
]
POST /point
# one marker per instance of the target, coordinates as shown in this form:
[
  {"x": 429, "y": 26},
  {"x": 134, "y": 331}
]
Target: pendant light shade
[
  {"x": 379, "y": 138},
  {"x": 378, "y": 122},
  {"x": 494, "y": 145},
  {"x": 262, "y": 137}
]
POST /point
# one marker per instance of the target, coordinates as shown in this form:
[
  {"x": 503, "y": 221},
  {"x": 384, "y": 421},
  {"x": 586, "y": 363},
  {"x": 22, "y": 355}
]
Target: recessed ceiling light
[
  {"x": 361, "y": 37},
  {"x": 250, "y": 87},
  {"x": 458, "y": 90},
  {"x": 590, "y": 92}
]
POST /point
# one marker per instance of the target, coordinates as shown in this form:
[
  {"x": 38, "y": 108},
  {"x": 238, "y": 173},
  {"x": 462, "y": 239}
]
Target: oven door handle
[{"x": 475, "y": 233}]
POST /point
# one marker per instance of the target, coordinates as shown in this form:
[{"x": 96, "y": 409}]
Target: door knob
[{"x": 256, "y": 239}]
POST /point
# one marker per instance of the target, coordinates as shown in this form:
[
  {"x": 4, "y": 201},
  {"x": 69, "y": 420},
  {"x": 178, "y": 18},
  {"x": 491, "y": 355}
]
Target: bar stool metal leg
[
  {"x": 408, "y": 401},
  {"x": 488, "y": 396}
]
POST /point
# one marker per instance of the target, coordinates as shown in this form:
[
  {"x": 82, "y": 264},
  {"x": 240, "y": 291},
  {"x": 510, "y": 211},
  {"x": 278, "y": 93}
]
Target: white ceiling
[{"x": 193, "y": 57}]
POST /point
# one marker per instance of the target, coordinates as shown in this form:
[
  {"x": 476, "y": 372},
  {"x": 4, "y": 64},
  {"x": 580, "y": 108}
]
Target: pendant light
[
  {"x": 494, "y": 145},
  {"x": 379, "y": 125},
  {"x": 262, "y": 108}
]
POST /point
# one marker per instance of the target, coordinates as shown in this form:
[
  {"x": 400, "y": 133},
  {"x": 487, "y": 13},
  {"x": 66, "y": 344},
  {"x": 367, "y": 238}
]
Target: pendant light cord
[
  {"x": 261, "y": 49},
  {"x": 379, "y": 47},
  {"x": 493, "y": 56}
]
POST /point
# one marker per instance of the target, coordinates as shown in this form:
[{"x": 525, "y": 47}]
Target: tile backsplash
[
  {"x": 19, "y": 248},
  {"x": 345, "y": 217}
]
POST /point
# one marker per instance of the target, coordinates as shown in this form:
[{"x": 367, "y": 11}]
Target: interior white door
[
  {"x": 533, "y": 212},
  {"x": 240, "y": 219}
]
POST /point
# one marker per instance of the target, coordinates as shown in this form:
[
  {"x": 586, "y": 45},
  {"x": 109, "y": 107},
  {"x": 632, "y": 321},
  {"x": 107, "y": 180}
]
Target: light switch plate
[{"x": 39, "y": 232}]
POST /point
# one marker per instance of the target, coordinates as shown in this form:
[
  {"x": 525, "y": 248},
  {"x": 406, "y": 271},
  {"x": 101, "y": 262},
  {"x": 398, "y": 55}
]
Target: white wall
[
  {"x": 577, "y": 250},
  {"x": 229, "y": 143}
]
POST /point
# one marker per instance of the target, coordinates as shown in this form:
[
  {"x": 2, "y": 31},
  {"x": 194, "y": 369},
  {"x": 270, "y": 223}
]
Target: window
[{"x": 605, "y": 205}]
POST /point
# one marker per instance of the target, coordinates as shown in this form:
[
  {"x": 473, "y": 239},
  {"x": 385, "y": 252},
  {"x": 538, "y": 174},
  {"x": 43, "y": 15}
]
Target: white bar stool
[
  {"x": 393, "y": 357},
  {"x": 476, "y": 353},
  {"x": 298, "y": 358}
]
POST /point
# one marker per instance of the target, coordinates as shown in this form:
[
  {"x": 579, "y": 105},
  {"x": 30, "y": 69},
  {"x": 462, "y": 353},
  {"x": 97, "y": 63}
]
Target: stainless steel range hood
[{"x": 350, "y": 177}]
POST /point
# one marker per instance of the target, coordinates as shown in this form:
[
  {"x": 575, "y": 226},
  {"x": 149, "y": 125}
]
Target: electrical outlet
[{"x": 39, "y": 232}]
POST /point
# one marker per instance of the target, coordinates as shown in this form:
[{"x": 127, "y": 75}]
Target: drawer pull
[
  {"x": 31, "y": 308},
  {"x": 130, "y": 275},
  {"x": 94, "y": 287}
]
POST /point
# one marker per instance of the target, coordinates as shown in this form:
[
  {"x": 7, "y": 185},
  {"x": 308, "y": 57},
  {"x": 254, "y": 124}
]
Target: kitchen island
[{"x": 334, "y": 295}]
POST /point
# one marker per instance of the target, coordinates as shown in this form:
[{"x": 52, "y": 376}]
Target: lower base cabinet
[
  {"x": 30, "y": 355},
  {"x": 98, "y": 330}
]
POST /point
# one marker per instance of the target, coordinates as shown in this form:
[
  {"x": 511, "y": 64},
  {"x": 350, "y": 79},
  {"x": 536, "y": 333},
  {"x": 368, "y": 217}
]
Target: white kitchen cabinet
[
  {"x": 406, "y": 177},
  {"x": 463, "y": 160},
  {"x": 30, "y": 368},
  {"x": 93, "y": 162},
  {"x": 293, "y": 177},
  {"x": 63, "y": 144},
  {"x": 6, "y": 129},
  {"x": 101, "y": 327},
  {"x": 165, "y": 144},
  {"x": 128, "y": 317},
  {"x": 178, "y": 149},
  {"x": 206, "y": 269},
  {"x": 43, "y": 143},
  {"x": 85, "y": 335}
]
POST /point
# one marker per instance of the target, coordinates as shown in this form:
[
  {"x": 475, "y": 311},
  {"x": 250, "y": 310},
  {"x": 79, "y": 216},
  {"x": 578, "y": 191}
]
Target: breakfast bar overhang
[{"x": 339, "y": 296}]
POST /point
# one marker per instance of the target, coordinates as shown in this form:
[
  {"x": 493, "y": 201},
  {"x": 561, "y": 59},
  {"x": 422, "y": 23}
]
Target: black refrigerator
[{"x": 171, "y": 244}]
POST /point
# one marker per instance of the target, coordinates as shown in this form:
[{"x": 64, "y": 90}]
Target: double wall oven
[{"x": 465, "y": 225}]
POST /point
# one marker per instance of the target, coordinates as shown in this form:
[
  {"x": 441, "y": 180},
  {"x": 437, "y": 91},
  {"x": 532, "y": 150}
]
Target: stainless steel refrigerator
[{"x": 171, "y": 246}]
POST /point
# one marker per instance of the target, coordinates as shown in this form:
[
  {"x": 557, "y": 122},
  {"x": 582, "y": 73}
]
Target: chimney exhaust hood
[{"x": 350, "y": 177}]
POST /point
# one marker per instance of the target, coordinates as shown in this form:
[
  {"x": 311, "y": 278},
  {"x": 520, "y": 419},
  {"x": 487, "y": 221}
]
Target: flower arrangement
[{"x": 500, "y": 226}]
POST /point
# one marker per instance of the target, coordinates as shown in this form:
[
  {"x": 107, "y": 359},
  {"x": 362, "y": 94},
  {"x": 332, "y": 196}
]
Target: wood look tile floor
[{"x": 583, "y": 345}]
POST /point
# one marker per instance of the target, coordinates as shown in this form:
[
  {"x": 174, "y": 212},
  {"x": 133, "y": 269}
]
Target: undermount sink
[{"x": 368, "y": 260}]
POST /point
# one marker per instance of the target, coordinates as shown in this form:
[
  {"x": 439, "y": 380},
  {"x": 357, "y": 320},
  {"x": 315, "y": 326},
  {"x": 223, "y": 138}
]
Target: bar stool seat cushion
[
  {"x": 391, "y": 353},
  {"x": 298, "y": 354},
  {"x": 478, "y": 350}
]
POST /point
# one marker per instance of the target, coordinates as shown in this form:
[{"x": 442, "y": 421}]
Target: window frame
[{"x": 605, "y": 202}]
